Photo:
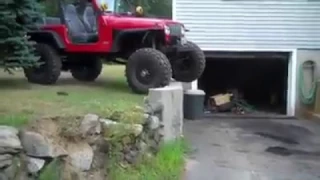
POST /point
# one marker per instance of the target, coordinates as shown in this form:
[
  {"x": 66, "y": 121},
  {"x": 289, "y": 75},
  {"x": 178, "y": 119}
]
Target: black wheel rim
[{"x": 144, "y": 75}]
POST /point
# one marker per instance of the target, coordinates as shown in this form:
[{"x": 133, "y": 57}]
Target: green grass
[
  {"x": 21, "y": 101},
  {"x": 51, "y": 171},
  {"x": 167, "y": 165}
]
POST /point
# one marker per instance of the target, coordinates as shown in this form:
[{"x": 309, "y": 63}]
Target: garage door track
[{"x": 242, "y": 149}]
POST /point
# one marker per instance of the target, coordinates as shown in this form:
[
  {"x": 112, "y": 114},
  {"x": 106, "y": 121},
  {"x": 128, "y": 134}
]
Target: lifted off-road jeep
[{"x": 87, "y": 31}]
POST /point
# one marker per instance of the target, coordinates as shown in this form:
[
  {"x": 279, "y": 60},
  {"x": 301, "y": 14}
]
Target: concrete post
[
  {"x": 185, "y": 86},
  {"x": 171, "y": 116}
]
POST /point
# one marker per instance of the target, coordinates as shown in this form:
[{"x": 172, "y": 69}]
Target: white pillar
[
  {"x": 194, "y": 84},
  {"x": 171, "y": 117},
  {"x": 191, "y": 85}
]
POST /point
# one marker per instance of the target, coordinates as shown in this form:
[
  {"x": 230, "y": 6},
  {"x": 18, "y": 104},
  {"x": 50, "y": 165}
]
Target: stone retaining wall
[{"x": 27, "y": 152}]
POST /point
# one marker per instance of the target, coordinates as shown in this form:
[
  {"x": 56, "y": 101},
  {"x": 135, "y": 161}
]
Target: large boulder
[
  {"x": 36, "y": 145},
  {"x": 9, "y": 140},
  {"x": 90, "y": 125},
  {"x": 80, "y": 156},
  {"x": 5, "y": 160},
  {"x": 34, "y": 165},
  {"x": 115, "y": 129}
]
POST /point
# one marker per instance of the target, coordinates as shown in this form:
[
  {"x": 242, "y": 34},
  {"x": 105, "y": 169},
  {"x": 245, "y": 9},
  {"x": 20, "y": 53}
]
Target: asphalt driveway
[{"x": 242, "y": 149}]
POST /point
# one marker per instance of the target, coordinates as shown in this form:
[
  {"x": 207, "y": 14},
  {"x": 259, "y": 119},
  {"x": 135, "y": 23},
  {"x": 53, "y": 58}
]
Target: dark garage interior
[{"x": 258, "y": 84}]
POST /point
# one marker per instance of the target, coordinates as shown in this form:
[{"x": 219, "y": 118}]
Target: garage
[
  {"x": 247, "y": 84},
  {"x": 254, "y": 49}
]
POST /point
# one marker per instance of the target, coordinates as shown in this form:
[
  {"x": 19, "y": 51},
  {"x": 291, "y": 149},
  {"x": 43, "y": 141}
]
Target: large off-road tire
[
  {"x": 49, "y": 71},
  {"x": 88, "y": 69},
  {"x": 147, "y": 68},
  {"x": 191, "y": 66}
]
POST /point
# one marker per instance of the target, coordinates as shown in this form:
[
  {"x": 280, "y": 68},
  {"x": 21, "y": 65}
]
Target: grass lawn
[
  {"x": 22, "y": 102},
  {"x": 167, "y": 165}
]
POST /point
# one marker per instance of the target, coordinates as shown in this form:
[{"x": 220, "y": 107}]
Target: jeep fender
[
  {"x": 118, "y": 36},
  {"x": 47, "y": 37}
]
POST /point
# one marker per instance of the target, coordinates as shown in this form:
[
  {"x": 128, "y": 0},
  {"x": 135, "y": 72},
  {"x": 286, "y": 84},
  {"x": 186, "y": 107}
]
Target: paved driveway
[{"x": 239, "y": 149}]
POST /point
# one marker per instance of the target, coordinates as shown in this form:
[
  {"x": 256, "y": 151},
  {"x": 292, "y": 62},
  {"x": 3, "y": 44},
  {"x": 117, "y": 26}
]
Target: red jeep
[{"x": 87, "y": 31}]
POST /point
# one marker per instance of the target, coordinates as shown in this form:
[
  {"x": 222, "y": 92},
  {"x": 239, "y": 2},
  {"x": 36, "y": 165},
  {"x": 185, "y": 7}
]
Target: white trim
[
  {"x": 292, "y": 84},
  {"x": 174, "y": 7},
  {"x": 247, "y": 50},
  {"x": 194, "y": 84}
]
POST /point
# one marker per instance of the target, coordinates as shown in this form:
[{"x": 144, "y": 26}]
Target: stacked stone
[
  {"x": 10, "y": 148},
  {"x": 27, "y": 153},
  {"x": 133, "y": 141},
  {"x": 18, "y": 158}
]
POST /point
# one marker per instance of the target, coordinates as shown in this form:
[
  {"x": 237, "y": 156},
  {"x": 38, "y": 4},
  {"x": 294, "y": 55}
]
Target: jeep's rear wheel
[
  {"x": 147, "y": 68},
  {"x": 190, "y": 66},
  {"x": 88, "y": 69},
  {"x": 50, "y": 68}
]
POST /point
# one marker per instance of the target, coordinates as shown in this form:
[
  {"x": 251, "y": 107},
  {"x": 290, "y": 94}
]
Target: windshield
[{"x": 118, "y": 6}]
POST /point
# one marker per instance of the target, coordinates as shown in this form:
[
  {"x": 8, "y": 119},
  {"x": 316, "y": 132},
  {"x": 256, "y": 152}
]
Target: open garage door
[{"x": 256, "y": 86}]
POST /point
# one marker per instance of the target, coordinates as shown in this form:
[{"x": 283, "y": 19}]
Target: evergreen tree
[
  {"x": 160, "y": 8},
  {"x": 16, "y": 18},
  {"x": 155, "y": 8},
  {"x": 51, "y": 7}
]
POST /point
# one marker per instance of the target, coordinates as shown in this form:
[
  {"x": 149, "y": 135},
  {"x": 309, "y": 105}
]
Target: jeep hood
[{"x": 121, "y": 22}]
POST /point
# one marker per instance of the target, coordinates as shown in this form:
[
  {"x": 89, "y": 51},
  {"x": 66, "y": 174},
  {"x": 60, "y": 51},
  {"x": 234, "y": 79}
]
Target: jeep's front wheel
[
  {"x": 147, "y": 68},
  {"x": 190, "y": 66},
  {"x": 50, "y": 68},
  {"x": 88, "y": 69}
]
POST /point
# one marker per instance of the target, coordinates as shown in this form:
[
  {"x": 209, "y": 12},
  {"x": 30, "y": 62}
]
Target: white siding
[{"x": 251, "y": 24}]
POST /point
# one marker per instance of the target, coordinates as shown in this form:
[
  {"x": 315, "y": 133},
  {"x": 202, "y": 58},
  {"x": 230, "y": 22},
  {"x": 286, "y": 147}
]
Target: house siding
[{"x": 250, "y": 24}]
